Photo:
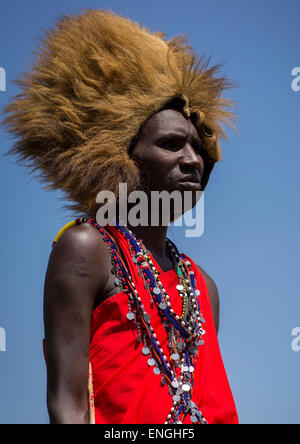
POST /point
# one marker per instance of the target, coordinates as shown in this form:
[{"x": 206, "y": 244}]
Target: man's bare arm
[{"x": 76, "y": 274}]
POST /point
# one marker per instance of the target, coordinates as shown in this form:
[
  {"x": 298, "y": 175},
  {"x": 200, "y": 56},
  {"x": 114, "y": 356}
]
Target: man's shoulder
[
  {"x": 82, "y": 242},
  {"x": 213, "y": 295},
  {"x": 80, "y": 236},
  {"x": 209, "y": 280}
]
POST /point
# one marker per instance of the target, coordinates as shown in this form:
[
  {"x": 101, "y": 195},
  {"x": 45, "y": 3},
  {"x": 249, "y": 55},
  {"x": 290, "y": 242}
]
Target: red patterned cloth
[{"x": 126, "y": 391}]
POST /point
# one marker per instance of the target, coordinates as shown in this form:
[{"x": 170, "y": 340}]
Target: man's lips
[
  {"x": 190, "y": 182},
  {"x": 192, "y": 186},
  {"x": 190, "y": 178}
]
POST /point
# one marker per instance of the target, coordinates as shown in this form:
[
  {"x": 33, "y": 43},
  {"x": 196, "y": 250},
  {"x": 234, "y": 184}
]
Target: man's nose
[{"x": 190, "y": 158}]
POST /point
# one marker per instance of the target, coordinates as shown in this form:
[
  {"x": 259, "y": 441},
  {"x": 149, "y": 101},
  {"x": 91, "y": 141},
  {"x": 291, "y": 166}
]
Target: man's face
[{"x": 170, "y": 154}]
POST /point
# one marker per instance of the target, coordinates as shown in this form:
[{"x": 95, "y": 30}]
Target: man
[{"x": 109, "y": 102}]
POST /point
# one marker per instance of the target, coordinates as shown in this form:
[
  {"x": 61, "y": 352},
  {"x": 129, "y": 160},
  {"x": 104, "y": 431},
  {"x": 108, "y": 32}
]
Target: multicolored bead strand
[{"x": 189, "y": 331}]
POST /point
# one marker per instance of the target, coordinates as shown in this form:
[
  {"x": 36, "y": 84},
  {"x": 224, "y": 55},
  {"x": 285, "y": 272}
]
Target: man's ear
[{"x": 131, "y": 146}]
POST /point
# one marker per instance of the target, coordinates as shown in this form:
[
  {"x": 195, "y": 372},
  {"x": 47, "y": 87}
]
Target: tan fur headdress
[{"x": 96, "y": 79}]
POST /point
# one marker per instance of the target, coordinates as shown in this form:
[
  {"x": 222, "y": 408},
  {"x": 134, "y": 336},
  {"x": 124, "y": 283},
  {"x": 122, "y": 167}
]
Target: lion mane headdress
[{"x": 95, "y": 81}]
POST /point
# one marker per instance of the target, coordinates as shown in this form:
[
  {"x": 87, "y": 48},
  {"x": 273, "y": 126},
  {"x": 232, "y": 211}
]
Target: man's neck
[{"x": 154, "y": 238}]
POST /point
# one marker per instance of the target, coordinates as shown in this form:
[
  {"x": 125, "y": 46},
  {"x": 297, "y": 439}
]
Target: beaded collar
[{"x": 184, "y": 331}]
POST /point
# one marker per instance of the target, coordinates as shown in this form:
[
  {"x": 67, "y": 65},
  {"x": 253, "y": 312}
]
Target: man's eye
[
  {"x": 178, "y": 143},
  {"x": 171, "y": 144},
  {"x": 199, "y": 148}
]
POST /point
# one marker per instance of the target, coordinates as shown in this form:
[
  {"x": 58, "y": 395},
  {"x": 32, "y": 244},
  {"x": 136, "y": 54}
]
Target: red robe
[{"x": 126, "y": 391}]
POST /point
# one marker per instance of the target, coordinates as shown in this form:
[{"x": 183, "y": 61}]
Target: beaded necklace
[{"x": 184, "y": 331}]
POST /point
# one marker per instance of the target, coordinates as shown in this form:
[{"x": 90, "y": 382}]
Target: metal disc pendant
[
  {"x": 185, "y": 368},
  {"x": 175, "y": 356},
  {"x": 156, "y": 290},
  {"x": 175, "y": 384},
  {"x": 176, "y": 398},
  {"x": 117, "y": 282},
  {"x": 130, "y": 316},
  {"x": 151, "y": 362},
  {"x": 162, "y": 305},
  {"x": 196, "y": 412},
  {"x": 156, "y": 370},
  {"x": 197, "y": 293},
  {"x": 186, "y": 388},
  {"x": 179, "y": 287},
  {"x": 145, "y": 351},
  {"x": 194, "y": 419}
]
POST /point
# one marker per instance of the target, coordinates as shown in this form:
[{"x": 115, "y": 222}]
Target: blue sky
[{"x": 251, "y": 241}]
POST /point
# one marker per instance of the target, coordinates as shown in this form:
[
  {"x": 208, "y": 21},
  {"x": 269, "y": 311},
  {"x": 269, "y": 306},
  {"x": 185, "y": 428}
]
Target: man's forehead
[{"x": 168, "y": 121}]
